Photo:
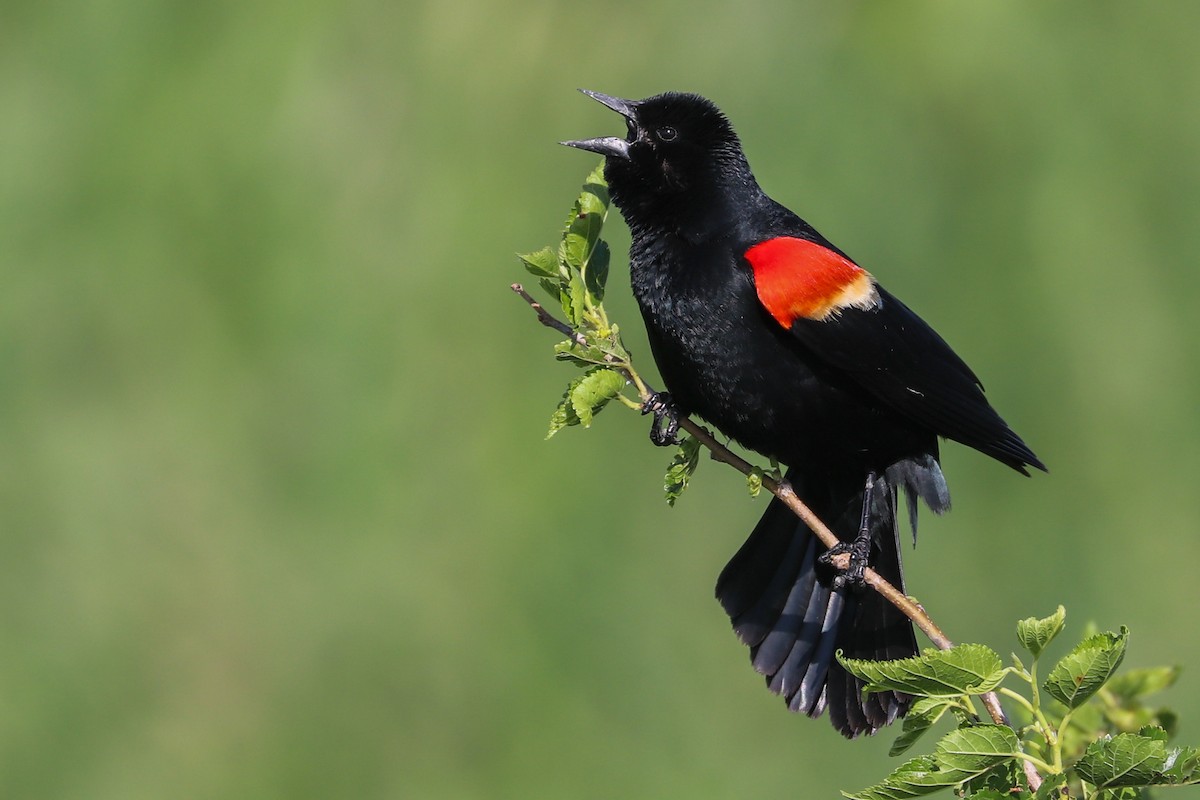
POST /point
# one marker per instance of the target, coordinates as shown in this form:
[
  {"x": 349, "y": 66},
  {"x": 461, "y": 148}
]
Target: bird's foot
[
  {"x": 666, "y": 418},
  {"x": 853, "y": 577}
]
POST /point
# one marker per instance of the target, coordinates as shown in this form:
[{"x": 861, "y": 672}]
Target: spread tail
[{"x": 781, "y": 604}]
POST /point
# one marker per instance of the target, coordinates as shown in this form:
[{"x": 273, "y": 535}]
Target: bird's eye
[{"x": 667, "y": 134}]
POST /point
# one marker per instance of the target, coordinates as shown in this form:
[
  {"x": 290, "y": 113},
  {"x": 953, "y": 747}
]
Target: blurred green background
[{"x": 276, "y": 516}]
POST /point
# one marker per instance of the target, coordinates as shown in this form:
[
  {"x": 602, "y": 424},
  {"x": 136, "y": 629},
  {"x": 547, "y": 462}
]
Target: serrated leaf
[
  {"x": 1133, "y": 684},
  {"x": 564, "y": 415},
  {"x": 1085, "y": 669},
  {"x": 922, "y": 716},
  {"x": 960, "y": 756},
  {"x": 543, "y": 263},
  {"x": 976, "y": 749},
  {"x": 1007, "y": 779},
  {"x": 965, "y": 669},
  {"x": 682, "y": 467},
  {"x": 571, "y": 350},
  {"x": 991, "y": 794},
  {"x": 593, "y": 391},
  {"x": 1153, "y": 732},
  {"x": 1124, "y": 760},
  {"x": 570, "y": 296},
  {"x": 914, "y": 778},
  {"x": 1034, "y": 634}
]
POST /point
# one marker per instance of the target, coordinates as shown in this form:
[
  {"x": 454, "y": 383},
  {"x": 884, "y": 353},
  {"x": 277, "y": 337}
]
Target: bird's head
[{"x": 679, "y": 149}]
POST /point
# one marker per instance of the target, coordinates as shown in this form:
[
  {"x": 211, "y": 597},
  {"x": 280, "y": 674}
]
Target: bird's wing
[{"x": 842, "y": 317}]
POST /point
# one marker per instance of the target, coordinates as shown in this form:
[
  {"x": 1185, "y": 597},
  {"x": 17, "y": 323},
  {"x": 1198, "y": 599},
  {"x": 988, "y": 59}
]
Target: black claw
[
  {"x": 853, "y": 578},
  {"x": 859, "y": 550},
  {"x": 663, "y": 408}
]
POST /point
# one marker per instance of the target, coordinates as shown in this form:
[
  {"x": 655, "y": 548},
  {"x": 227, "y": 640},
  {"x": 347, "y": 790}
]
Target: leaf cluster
[
  {"x": 1087, "y": 730},
  {"x": 574, "y": 274}
]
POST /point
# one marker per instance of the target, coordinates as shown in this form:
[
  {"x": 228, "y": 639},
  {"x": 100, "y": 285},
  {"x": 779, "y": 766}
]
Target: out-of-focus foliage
[{"x": 276, "y": 519}]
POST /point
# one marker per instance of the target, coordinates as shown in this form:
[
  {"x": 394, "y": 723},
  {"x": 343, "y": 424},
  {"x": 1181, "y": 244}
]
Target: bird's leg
[
  {"x": 663, "y": 408},
  {"x": 859, "y": 549}
]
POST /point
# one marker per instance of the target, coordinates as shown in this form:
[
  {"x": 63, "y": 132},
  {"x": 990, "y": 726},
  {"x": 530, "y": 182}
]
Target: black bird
[{"x": 764, "y": 328}]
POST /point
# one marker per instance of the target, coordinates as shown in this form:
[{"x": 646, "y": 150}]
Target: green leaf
[
  {"x": 965, "y": 669},
  {"x": 1182, "y": 767},
  {"x": 960, "y": 756},
  {"x": 581, "y": 281},
  {"x": 922, "y": 716},
  {"x": 596, "y": 273},
  {"x": 1154, "y": 732},
  {"x": 552, "y": 286},
  {"x": 1124, "y": 760},
  {"x": 976, "y": 749},
  {"x": 1133, "y": 684},
  {"x": 1007, "y": 778},
  {"x": 681, "y": 468},
  {"x": 584, "y": 223},
  {"x": 1086, "y": 668},
  {"x": 571, "y": 297},
  {"x": 593, "y": 391},
  {"x": 543, "y": 263},
  {"x": 564, "y": 415},
  {"x": 571, "y": 350},
  {"x": 594, "y": 197},
  {"x": 915, "y": 778},
  {"x": 1034, "y": 634},
  {"x": 1051, "y": 788}
]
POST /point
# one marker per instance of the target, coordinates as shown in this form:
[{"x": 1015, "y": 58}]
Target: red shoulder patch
[{"x": 798, "y": 278}]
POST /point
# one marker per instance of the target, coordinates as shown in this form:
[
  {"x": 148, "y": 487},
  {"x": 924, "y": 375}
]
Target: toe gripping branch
[
  {"x": 666, "y": 419},
  {"x": 859, "y": 549}
]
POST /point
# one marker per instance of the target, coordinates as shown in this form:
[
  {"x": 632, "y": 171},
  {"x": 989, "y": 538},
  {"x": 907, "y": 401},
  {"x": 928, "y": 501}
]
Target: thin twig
[
  {"x": 548, "y": 319},
  {"x": 783, "y": 490}
]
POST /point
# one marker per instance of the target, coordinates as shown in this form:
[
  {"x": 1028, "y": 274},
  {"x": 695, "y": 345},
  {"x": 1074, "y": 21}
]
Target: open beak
[{"x": 606, "y": 146}]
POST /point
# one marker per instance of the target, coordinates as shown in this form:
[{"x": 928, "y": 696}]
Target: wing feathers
[
  {"x": 796, "y": 278},
  {"x": 837, "y": 311},
  {"x": 895, "y": 356}
]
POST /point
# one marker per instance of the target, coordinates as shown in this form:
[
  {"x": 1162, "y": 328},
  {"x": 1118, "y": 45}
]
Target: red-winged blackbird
[{"x": 764, "y": 328}]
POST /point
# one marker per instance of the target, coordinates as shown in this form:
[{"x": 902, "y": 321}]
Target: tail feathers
[
  {"x": 920, "y": 477},
  {"x": 782, "y": 607}
]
